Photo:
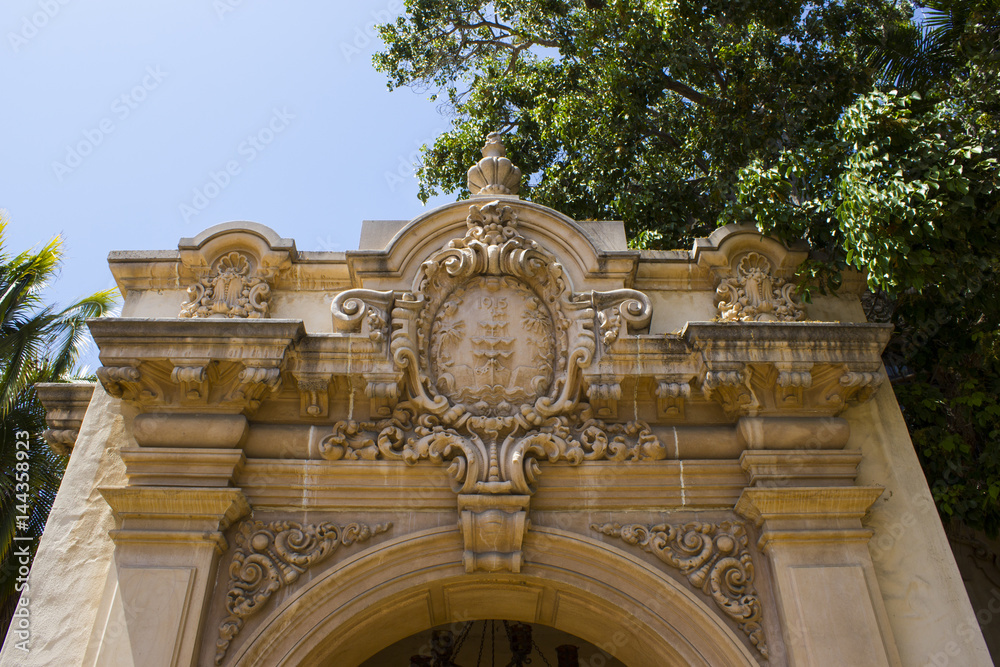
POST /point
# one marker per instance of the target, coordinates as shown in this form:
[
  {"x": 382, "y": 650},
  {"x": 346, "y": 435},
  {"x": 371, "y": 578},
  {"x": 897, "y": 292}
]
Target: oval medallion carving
[{"x": 492, "y": 346}]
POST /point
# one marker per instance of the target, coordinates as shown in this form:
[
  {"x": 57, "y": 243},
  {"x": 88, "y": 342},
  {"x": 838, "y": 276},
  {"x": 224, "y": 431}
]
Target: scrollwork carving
[
  {"x": 754, "y": 295},
  {"x": 269, "y": 556},
  {"x": 506, "y": 459},
  {"x": 354, "y": 307},
  {"x": 229, "y": 291},
  {"x": 713, "y": 557}
]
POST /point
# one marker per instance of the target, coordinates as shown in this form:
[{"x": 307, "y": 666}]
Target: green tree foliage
[
  {"x": 862, "y": 127},
  {"x": 37, "y": 344}
]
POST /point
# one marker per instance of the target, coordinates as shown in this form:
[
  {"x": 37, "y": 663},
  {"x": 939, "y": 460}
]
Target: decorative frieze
[
  {"x": 270, "y": 556},
  {"x": 715, "y": 559}
]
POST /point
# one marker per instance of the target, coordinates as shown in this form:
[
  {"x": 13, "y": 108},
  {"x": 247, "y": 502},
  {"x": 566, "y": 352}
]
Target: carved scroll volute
[
  {"x": 363, "y": 310},
  {"x": 270, "y": 556},
  {"x": 621, "y": 311},
  {"x": 713, "y": 557}
]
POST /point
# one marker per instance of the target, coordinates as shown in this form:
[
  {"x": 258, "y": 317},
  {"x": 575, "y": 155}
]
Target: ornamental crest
[
  {"x": 754, "y": 295},
  {"x": 491, "y": 342},
  {"x": 230, "y": 291}
]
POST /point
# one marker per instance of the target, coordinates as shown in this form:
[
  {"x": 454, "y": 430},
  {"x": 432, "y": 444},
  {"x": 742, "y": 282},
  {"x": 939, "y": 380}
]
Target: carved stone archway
[{"x": 407, "y": 585}]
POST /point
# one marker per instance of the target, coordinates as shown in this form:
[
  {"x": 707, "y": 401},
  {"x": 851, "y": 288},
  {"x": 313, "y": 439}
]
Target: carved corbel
[
  {"x": 618, "y": 309},
  {"x": 730, "y": 388},
  {"x": 255, "y": 383},
  {"x": 670, "y": 396},
  {"x": 124, "y": 382},
  {"x": 383, "y": 391},
  {"x": 363, "y": 310},
  {"x": 850, "y": 387},
  {"x": 270, "y": 556},
  {"x": 790, "y": 384},
  {"x": 314, "y": 394},
  {"x": 193, "y": 382},
  {"x": 603, "y": 395},
  {"x": 493, "y": 528}
]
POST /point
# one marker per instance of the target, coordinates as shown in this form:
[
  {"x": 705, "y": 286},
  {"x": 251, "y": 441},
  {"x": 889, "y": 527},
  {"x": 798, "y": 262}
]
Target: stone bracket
[
  {"x": 493, "y": 528},
  {"x": 65, "y": 406}
]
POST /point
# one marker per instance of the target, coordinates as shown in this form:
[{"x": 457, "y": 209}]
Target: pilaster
[{"x": 828, "y": 599}]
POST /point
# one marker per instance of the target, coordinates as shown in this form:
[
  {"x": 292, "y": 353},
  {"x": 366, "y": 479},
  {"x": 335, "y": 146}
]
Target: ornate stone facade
[{"x": 663, "y": 454}]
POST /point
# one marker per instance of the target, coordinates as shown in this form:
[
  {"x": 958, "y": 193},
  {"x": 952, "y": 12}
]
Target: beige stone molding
[
  {"x": 205, "y": 365},
  {"x": 270, "y": 556},
  {"x": 65, "y": 406},
  {"x": 801, "y": 467},
  {"x": 715, "y": 559},
  {"x": 172, "y": 515},
  {"x": 808, "y": 514},
  {"x": 494, "y": 174},
  {"x": 169, "y": 466}
]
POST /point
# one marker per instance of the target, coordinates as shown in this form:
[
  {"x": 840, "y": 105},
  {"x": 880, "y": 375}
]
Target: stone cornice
[
  {"x": 193, "y": 365},
  {"x": 65, "y": 406},
  {"x": 761, "y": 505}
]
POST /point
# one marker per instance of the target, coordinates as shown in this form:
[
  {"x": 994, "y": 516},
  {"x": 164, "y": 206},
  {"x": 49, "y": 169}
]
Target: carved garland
[
  {"x": 269, "y": 556},
  {"x": 492, "y": 342},
  {"x": 713, "y": 557}
]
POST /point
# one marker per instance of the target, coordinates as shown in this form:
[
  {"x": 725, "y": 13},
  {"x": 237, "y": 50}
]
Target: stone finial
[{"x": 494, "y": 174}]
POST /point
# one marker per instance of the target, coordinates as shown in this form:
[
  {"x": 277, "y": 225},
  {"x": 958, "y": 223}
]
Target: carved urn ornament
[{"x": 494, "y": 174}]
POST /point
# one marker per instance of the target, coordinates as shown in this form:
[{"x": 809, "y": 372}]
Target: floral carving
[
  {"x": 230, "y": 291},
  {"x": 271, "y": 555},
  {"x": 713, "y": 557},
  {"x": 754, "y": 295}
]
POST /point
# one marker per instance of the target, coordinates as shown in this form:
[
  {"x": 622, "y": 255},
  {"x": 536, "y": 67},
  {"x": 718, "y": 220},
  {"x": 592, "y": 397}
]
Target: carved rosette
[
  {"x": 713, "y": 557},
  {"x": 269, "y": 556},
  {"x": 754, "y": 295},
  {"x": 231, "y": 290}
]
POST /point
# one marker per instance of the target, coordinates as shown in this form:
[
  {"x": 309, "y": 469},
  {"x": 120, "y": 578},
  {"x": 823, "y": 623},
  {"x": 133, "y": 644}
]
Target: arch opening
[{"x": 410, "y": 585}]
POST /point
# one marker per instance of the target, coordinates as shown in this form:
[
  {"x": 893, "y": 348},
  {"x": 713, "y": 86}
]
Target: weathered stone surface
[{"x": 662, "y": 453}]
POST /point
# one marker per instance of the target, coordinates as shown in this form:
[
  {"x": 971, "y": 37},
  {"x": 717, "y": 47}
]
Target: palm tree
[
  {"x": 37, "y": 344},
  {"x": 946, "y": 34}
]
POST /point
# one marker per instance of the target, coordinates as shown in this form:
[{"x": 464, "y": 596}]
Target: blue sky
[{"x": 128, "y": 125}]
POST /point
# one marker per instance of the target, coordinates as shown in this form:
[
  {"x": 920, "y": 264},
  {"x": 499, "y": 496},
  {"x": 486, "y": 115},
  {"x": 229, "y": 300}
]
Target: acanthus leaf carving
[
  {"x": 755, "y": 295},
  {"x": 125, "y": 382},
  {"x": 713, "y": 557},
  {"x": 231, "y": 289},
  {"x": 731, "y": 388},
  {"x": 270, "y": 556}
]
